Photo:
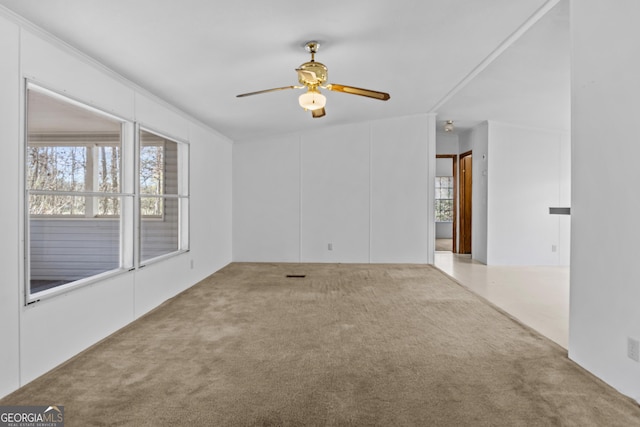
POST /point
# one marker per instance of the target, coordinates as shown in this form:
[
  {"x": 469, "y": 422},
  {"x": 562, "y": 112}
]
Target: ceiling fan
[{"x": 312, "y": 75}]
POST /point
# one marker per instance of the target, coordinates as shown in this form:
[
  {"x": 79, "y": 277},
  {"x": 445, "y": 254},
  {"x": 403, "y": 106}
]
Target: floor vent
[{"x": 296, "y": 276}]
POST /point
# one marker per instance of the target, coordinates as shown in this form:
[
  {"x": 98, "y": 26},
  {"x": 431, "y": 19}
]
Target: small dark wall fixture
[{"x": 560, "y": 211}]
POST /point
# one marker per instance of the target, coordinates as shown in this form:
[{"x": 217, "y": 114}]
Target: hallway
[{"x": 536, "y": 296}]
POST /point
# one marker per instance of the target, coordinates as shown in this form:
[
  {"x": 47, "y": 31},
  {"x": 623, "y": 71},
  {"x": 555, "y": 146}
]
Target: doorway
[
  {"x": 446, "y": 202},
  {"x": 466, "y": 174}
]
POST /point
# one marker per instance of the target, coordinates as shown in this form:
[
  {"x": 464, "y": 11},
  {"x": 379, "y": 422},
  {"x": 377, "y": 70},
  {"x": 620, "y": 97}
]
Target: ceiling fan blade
[
  {"x": 383, "y": 96},
  {"x": 266, "y": 90},
  {"x": 320, "y": 112}
]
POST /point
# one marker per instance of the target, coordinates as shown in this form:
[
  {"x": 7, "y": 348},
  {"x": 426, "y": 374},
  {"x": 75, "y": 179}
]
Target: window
[
  {"x": 81, "y": 193},
  {"x": 73, "y": 195},
  {"x": 444, "y": 198},
  {"x": 163, "y": 195}
]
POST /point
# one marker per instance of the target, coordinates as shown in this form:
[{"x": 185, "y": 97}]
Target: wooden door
[{"x": 466, "y": 174}]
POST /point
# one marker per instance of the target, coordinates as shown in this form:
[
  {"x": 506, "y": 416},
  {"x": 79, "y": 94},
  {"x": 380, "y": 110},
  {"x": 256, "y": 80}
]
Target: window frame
[
  {"x": 124, "y": 265},
  {"x": 451, "y": 180},
  {"x": 128, "y": 192},
  {"x": 183, "y": 186}
]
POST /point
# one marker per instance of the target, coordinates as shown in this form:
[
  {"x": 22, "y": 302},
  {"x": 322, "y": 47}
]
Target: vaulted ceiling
[{"x": 466, "y": 60}]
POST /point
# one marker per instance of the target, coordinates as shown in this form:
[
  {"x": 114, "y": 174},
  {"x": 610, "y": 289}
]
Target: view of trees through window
[
  {"x": 56, "y": 168},
  {"x": 108, "y": 178},
  {"x": 64, "y": 168},
  {"x": 78, "y": 168},
  {"x": 160, "y": 198},
  {"x": 444, "y": 198},
  {"x": 152, "y": 167}
]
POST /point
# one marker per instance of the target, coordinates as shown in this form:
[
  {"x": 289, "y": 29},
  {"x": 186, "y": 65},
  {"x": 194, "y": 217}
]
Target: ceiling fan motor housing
[{"x": 312, "y": 74}]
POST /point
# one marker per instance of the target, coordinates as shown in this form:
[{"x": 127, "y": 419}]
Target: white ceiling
[
  {"x": 199, "y": 54},
  {"x": 528, "y": 84}
]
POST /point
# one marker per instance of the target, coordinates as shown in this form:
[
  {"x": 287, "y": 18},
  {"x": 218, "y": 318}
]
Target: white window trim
[{"x": 184, "y": 173}]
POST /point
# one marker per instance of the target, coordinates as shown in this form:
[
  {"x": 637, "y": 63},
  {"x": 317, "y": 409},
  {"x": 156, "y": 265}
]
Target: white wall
[
  {"x": 444, "y": 230},
  {"x": 605, "y": 279},
  {"x": 66, "y": 324},
  {"x": 447, "y": 143},
  {"x": 524, "y": 180},
  {"x": 444, "y": 167},
  {"x": 10, "y": 194},
  {"x": 266, "y": 210},
  {"x": 518, "y": 173},
  {"x": 402, "y": 155},
  {"x": 363, "y": 188},
  {"x": 335, "y": 195},
  {"x": 564, "y": 200},
  {"x": 465, "y": 140}
]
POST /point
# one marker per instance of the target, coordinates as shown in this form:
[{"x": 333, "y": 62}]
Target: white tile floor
[{"x": 536, "y": 296}]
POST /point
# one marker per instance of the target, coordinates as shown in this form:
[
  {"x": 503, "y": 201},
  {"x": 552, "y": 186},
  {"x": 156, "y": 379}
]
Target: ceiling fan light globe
[{"x": 312, "y": 100}]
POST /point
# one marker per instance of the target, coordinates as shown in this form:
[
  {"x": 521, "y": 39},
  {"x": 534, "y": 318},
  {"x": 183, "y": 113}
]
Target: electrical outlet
[
  {"x": 633, "y": 349},
  {"x": 191, "y": 264},
  {"x": 330, "y": 246},
  {"x": 554, "y": 248}
]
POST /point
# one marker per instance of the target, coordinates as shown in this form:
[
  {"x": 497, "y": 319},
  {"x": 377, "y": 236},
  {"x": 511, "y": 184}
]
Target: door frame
[
  {"x": 470, "y": 198},
  {"x": 454, "y": 160}
]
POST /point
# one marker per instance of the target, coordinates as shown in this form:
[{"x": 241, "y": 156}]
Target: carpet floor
[{"x": 387, "y": 345}]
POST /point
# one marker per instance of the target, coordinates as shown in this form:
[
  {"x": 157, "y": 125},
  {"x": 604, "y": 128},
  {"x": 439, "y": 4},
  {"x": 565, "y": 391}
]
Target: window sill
[{"x": 68, "y": 287}]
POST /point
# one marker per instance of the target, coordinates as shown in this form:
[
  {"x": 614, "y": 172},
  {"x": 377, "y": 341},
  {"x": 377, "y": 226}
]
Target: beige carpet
[{"x": 354, "y": 345}]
